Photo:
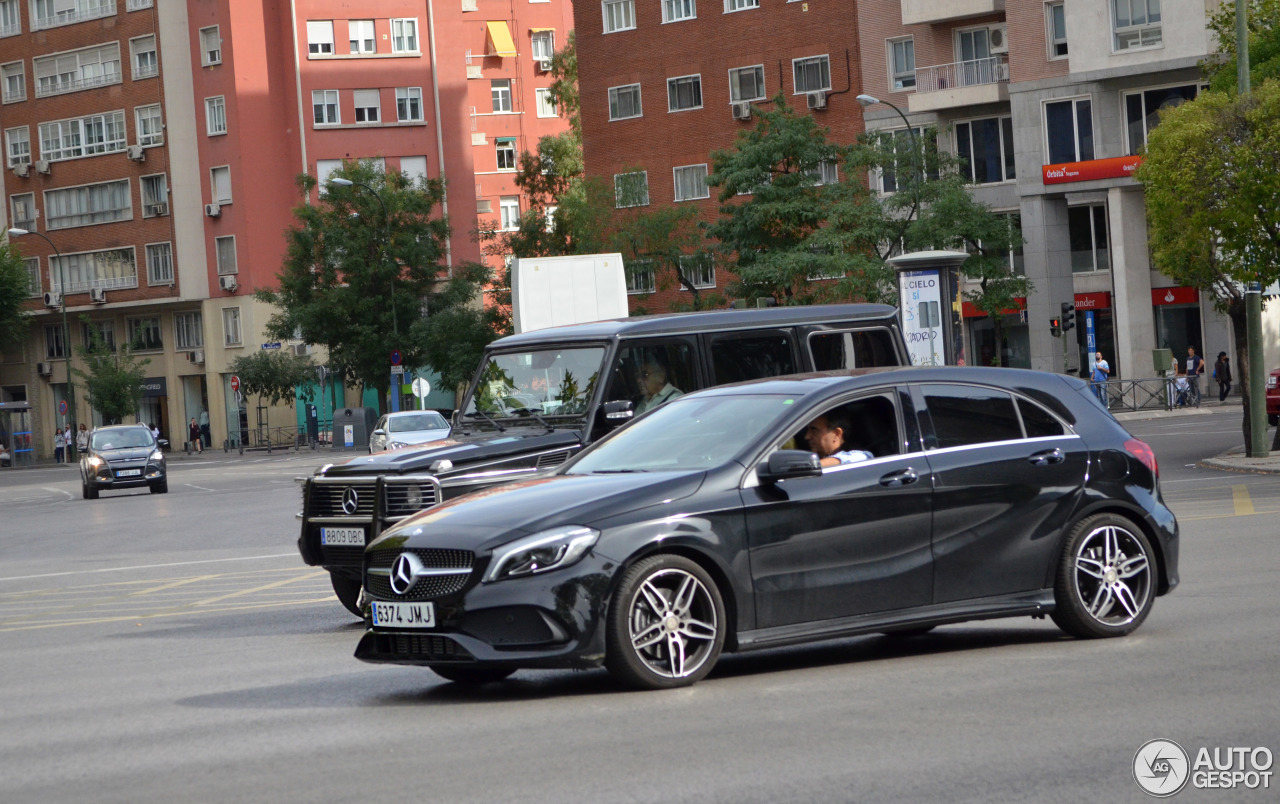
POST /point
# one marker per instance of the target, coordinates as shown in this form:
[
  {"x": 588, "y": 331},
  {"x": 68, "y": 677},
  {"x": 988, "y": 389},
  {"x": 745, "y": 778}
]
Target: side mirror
[
  {"x": 442, "y": 465},
  {"x": 789, "y": 463},
  {"x": 379, "y": 432},
  {"x": 617, "y": 413}
]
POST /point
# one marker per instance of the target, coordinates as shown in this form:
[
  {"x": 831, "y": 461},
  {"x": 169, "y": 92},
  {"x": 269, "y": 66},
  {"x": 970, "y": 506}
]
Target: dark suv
[
  {"x": 122, "y": 456},
  {"x": 539, "y": 397}
]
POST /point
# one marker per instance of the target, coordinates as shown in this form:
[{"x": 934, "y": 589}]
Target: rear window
[
  {"x": 752, "y": 357},
  {"x": 967, "y": 414},
  {"x": 1039, "y": 422},
  {"x": 834, "y": 351}
]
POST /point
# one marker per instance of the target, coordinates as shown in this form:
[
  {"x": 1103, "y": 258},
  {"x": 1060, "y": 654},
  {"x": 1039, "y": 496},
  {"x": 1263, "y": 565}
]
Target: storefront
[
  {"x": 16, "y": 443},
  {"x": 153, "y": 410},
  {"x": 1096, "y": 332},
  {"x": 982, "y": 342},
  {"x": 1177, "y": 321}
]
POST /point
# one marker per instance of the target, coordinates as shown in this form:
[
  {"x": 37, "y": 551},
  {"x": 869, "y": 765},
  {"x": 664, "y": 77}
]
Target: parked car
[
  {"x": 538, "y": 397},
  {"x": 698, "y": 529},
  {"x": 1273, "y": 398},
  {"x": 122, "y": 456},
  {"x": 408, "y": 428}
]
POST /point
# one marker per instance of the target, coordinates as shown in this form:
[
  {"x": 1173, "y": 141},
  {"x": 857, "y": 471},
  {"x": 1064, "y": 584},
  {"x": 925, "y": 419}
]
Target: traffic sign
[
  {"x": 396, "y": 358},
  {"x": 235, "y": 383},
  {"x": 271, "y": 346},
  {"x": 396, "y": 371},
  {"x": 421, "y": 388},
  {"x": 62, "y": 408}
]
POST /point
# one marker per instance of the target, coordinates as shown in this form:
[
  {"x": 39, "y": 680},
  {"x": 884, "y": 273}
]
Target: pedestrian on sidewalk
[
  {"x": 1101, "y": 373},
  {"x": 82, "y": 439},
  {"x": 1222, "y": 374},
  {"x": 193, "y": 431},
  {"x": 59, "y": 446},
  {"x": 1195, "y": 367}
]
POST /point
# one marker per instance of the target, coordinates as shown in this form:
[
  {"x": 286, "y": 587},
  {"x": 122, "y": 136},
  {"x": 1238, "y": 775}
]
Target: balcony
[
  {"x": 961, "y": 83},
  {"x": 12, "y": 29},
  {"x": 84, "y": 10},
  {"x": 925, "y": 12},
  {"x": 58, "y": 85}
]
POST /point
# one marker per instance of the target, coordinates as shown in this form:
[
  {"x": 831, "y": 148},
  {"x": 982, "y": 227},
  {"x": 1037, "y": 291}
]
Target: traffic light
[
  {"x": 1054, "y": 328},
  {"x": 1068, "y": 315}
]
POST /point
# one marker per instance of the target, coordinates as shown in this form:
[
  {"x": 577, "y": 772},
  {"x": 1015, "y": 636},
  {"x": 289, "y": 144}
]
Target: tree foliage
[
  {"x": 1264, "y": 45},
  {"x": 15, "y": 289},
  {"x": 1211, "y": 192},
  {"x": 273, "y": 375},
  {"x": 363, "y": 267},
  {"x": 458, "y": 325},
  {"x": 112, "y": 378}
]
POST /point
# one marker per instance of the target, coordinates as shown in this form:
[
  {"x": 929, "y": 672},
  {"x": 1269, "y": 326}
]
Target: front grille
[
  {"x": 552, "y": 459},
  {"x": 428, "y": 587},
  {"x": 421, "y": 646},
  {"x": 326, "y": 498},
  {"x": 401, "y": 498}
]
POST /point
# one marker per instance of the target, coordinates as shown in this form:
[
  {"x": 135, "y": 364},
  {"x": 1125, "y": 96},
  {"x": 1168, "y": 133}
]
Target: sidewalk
[{"x": 1233, "y": 461}]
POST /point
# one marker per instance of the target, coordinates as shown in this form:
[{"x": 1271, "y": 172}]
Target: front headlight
[
  {"x": 94, "y": 461},
  {"x": 541, "y": 552},
  {"x": 157, "y": 456}
]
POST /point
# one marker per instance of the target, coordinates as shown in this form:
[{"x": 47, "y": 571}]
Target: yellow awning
[
  {"x": 500, "y": 42},
  {"x": 540, "y": 30}
]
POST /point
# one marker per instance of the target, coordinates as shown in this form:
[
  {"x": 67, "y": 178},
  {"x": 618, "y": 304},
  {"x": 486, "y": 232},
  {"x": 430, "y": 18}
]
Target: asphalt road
[{"x": 174, "y": 647}]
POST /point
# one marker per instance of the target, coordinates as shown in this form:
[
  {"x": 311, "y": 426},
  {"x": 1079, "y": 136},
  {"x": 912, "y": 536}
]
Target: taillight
[{"x": 1143, "y": 452}]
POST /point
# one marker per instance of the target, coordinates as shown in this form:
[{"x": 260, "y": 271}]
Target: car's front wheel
[
  {"x": 469, "y": 675},
  {"x": 1106, "y": 580},
  {"x": 88, "y": 491},
  {"x": 666, "y": 624},
  {"x": 348, "y": 591},
  {"x": 160, "y": 488}
]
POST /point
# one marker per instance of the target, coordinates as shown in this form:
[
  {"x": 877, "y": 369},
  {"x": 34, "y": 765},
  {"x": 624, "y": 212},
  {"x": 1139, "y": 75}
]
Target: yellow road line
[
  {"x": 243, "y": 592},
  {"x": 172, "y": 584},
  {"x": 1243, "y": 503},
  {"x": 184, "y": 612}
]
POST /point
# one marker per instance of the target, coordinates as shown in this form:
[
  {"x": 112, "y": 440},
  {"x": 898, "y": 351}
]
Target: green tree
[
  {"x": 1211, "y": 188},
  {"x": 15, "y": 289},
  {"x": 364, "y": 264},
  {"x": 273, "y": 375},
  {"x": 459, "y": 324},
  {"x": 112, "y": 377},
  {"x": 1264, "y": 45}
]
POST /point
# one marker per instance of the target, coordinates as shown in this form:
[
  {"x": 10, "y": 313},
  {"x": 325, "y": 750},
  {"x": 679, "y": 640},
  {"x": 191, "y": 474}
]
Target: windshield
[
  {"x": 690, "y": 433},
  {"x": 415, "y": 422},
  {"x": 122, "y": 439},
  {"x": 548, "y": 382}
]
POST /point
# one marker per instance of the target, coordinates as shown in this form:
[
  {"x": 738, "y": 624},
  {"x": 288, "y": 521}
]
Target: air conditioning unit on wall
[
  {"x": 228, "y": 283},
  {"x": 42, "y": 166},
  {"x": 740, "y": 111},
  {"x": 44, "y": 369},
  {"x": 52, "y": 299},
  {"x": 998, "y": 36},
  {"x": 98, "y": 295},
  {"x": 817, "y": 100},
  {"x": 196, "y": 356},
  {"x": 22, "y": 170},
  {"x": 301, "y": 349},
  {"x": 213, "y": 210},
  {"x": 136, "y": 153},
  {"x": 544, "y": 65}
]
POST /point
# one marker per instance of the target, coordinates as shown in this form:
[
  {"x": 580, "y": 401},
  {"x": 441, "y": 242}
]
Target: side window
[
  {"x": 751, "y": 357},
  {"x": 966, "y": 414},
  {"x": 869, "y": 424},
  {"x": 1038, "y": 422},
  {"x": 649, "y": 374},
  {"x": 834, "y": 351}
]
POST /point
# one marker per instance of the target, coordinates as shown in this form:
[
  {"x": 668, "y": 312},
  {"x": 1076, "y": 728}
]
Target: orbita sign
[{"x": 927, "y": 308}]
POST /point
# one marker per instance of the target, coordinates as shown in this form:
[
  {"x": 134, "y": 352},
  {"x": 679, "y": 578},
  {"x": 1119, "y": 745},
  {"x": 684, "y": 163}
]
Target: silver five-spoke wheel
[
  {"x": 1107, "y": 579},
  {"x": 666, "y": 624}
]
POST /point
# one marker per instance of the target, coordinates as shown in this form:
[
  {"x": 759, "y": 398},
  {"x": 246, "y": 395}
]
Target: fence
[{"x": 1144, "y": 394}]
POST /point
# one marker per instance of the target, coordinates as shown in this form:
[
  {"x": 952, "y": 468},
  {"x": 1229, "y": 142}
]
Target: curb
[{"x": 1239, "y": 463}]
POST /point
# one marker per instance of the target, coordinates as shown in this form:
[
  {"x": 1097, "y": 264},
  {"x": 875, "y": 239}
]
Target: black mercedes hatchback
[{"x": 784, "y": 511}]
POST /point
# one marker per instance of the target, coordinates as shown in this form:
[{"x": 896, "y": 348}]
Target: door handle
[
  {"x": 904, "y": 477},
  {"x": 1047, "y": 457}
]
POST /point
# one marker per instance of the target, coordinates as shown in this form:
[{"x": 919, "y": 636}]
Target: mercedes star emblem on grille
[
  {"x": 350, "y": 501},
  {"x": 404, "y": 573}
]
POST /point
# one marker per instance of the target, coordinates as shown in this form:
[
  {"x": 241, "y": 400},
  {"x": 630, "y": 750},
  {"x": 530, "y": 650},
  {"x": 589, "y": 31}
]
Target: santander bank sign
[{"x": 1115, "y": 168}]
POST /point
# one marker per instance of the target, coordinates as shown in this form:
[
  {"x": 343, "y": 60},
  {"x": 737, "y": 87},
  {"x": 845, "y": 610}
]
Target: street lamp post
[
  {"x": 870, "y": 100},
  {"x": 66, "y": 334}
]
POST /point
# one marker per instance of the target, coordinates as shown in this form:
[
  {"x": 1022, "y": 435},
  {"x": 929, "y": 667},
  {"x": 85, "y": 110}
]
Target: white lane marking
[
  {"x": 194, "y": 486},
  {"x": 58, "y": 491},
  {"x": 146, "y": 566}
]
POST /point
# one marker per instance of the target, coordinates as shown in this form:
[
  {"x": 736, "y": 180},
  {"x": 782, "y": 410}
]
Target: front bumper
[
  {"x": 105, "y": 477},
  {"x": 555, "y": 620}
]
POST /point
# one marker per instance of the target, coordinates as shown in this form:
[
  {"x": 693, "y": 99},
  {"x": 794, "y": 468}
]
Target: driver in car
[
  {"x": 825, "y": 435},
  {"x": 653, "y": 382}
]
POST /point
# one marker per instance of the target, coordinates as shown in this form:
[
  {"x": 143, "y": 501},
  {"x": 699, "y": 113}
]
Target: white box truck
[{"x": 555, "y": 291}]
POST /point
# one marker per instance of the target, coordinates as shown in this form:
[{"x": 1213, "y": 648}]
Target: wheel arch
[
  {"x": 1139, "y": 520},
  {"x": 703, "y": 559}
]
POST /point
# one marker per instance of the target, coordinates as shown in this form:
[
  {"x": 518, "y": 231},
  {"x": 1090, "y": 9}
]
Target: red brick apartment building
[
  {"x": 155, "y": 144},
  {"x": 664, "y": 83}
]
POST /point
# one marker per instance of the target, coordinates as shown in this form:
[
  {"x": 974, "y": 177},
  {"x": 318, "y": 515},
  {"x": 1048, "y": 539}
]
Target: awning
[
  {"x": 500, "y": 42},
  {"x": 540, "y": 30}
]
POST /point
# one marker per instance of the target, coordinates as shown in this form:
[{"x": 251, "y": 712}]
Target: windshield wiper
[
  {"x": 534, "y": 414},
  {"x": 487, "y": 418}
]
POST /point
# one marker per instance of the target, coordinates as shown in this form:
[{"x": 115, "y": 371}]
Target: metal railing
[
  {"x": 977, "y": 72},
  {"x": 86, "y": 10},
  {"x": 1145, "y": 394},
  {"x": 46, "y": 88}
]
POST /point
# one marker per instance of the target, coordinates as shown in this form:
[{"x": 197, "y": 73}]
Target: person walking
[
  {"x": 82, "y": 439},
  {"x": 1195, "y": 367},
  {"x": 59, "y": 445},
  {"x": 1222, "y": 375},
  {"x": 193, "y": 431},
  {"x": 1101, "y": 373}
]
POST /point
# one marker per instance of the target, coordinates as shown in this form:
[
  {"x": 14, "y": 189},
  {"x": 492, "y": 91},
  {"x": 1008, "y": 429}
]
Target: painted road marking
[
  {"x": 1240, "y": 498},
  {"x": 147, "y": 566}
]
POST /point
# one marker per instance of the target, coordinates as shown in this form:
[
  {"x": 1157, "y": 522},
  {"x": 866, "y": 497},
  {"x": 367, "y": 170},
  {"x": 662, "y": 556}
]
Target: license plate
[
  {"x": 128, "y": 473},
  {"x": 351, "y": 537},
  {"x": 404, "y": 615}
]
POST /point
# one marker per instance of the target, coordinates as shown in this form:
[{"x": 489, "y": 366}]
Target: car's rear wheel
[
  {"x": 1106, "y": 580},
  {"x": 160, "y": 488},
  {"x": 348, "y": 590},
  {"x": 470, "y": 675},
  {"x": 666, "y": 624}
]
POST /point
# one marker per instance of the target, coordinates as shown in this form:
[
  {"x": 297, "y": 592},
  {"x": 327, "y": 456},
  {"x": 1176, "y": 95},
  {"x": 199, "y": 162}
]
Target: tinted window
[
  {"x": 869, "y": 424},
  {"x": 965, "y": 414},
  {"x": 752, "y": 357},
  {"x": 833, "y": 351},
  {"x": 1038, "y": 421},
  {"x": 644, "y": 371}
]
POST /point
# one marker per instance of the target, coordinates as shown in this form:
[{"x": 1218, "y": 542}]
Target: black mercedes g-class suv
[{"x": 539, "y": 397}]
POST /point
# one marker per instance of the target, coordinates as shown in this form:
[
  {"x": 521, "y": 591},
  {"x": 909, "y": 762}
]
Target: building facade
[{"x": 155, "y": 145}]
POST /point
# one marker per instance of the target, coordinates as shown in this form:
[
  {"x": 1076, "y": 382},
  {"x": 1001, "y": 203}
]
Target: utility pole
[{"x": 1253, "y": 294}]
